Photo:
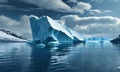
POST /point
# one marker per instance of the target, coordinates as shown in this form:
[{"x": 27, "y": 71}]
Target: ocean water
[{"x": 89, "y": 57}]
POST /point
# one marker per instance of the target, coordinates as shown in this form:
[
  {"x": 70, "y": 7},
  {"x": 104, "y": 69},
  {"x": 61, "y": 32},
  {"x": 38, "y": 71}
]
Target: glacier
[
  {"x": 45, "y": 30},
  {"x": 7, "y": 36}
]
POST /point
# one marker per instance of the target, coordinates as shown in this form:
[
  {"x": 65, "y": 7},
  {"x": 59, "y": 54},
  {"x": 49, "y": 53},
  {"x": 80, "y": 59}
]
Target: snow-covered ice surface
[
  {"x": 7, "y": 37},
  {"x": 45, "y": 30}
]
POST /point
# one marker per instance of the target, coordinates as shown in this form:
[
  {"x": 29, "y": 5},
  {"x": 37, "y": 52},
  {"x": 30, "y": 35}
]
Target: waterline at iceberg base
[{"x": 46, "y": 30}]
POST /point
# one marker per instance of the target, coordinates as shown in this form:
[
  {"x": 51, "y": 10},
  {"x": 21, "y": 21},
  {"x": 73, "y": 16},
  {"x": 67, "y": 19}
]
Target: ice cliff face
[
  {"x": 6, "y": 36},
  {"x": 45, "y": 30}
]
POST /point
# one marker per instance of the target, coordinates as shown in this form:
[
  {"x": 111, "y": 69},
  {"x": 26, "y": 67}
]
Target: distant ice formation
[
  {"x": 45, "y": 30},
  {"x": 97, "y": 39},
  {"x": 7, "y": 36}
]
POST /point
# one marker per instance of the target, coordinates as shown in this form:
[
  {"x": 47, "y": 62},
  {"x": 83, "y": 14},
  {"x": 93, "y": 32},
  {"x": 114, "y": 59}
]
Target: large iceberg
[{"x": 45, "y": 30}]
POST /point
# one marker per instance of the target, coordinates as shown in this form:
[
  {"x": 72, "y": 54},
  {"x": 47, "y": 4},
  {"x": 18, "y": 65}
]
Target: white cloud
[
  {"x": 75, "y": 19},
  {"x": 98, "y": 26},
  {"x": 59, "y": 5},
  {"x": 6, "y": 21},
  {"x": 21, "y": 27},
  {"x": 94, "y": 11},
  {"x": 81, "y": 7}
]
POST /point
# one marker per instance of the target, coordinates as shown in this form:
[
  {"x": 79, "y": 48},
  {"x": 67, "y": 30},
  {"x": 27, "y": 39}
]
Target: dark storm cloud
[
  {"x": 17, "y": 3},
  {"x": 56, "y": 5}
]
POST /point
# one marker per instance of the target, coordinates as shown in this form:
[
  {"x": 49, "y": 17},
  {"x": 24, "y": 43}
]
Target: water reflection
[
  {"x": 14, "y": 57},
  {"x": 40, "y": 58},
  {"x": 43, "y": 58},
  {"x": 59, "y": 57},
  {"x": 89, "y": 57}
]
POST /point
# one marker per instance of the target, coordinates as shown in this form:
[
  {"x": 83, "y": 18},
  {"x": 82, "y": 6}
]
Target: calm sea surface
[{"x": 89, "y": 57}]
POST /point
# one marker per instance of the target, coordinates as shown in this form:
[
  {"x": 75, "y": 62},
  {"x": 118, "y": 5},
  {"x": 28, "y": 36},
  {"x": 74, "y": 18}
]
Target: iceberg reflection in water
[{"x": 89, "y": 57}]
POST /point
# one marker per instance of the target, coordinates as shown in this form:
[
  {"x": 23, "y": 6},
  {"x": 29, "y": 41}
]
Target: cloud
[
  {"x": 75, "y": 19},
  {"x": 98, "y": 26},
  {"x": 59, "y": 5},
  {"x": 81, "y": 7},
  {"x": 50, "y": 4},
  {"x": 6, "y": 21},
  {"x": 56, "y": 5},
  {"x": 21, "y": 27},
  {"x": 94, "y": 11}
]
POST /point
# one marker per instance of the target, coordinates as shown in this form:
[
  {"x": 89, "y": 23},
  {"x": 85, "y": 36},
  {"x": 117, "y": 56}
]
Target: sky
[{"x": 88, "y": 17}]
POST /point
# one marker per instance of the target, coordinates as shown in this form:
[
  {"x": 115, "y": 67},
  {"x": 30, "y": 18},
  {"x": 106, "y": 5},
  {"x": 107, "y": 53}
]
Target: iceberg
[{"x": 45, "y": 30}]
